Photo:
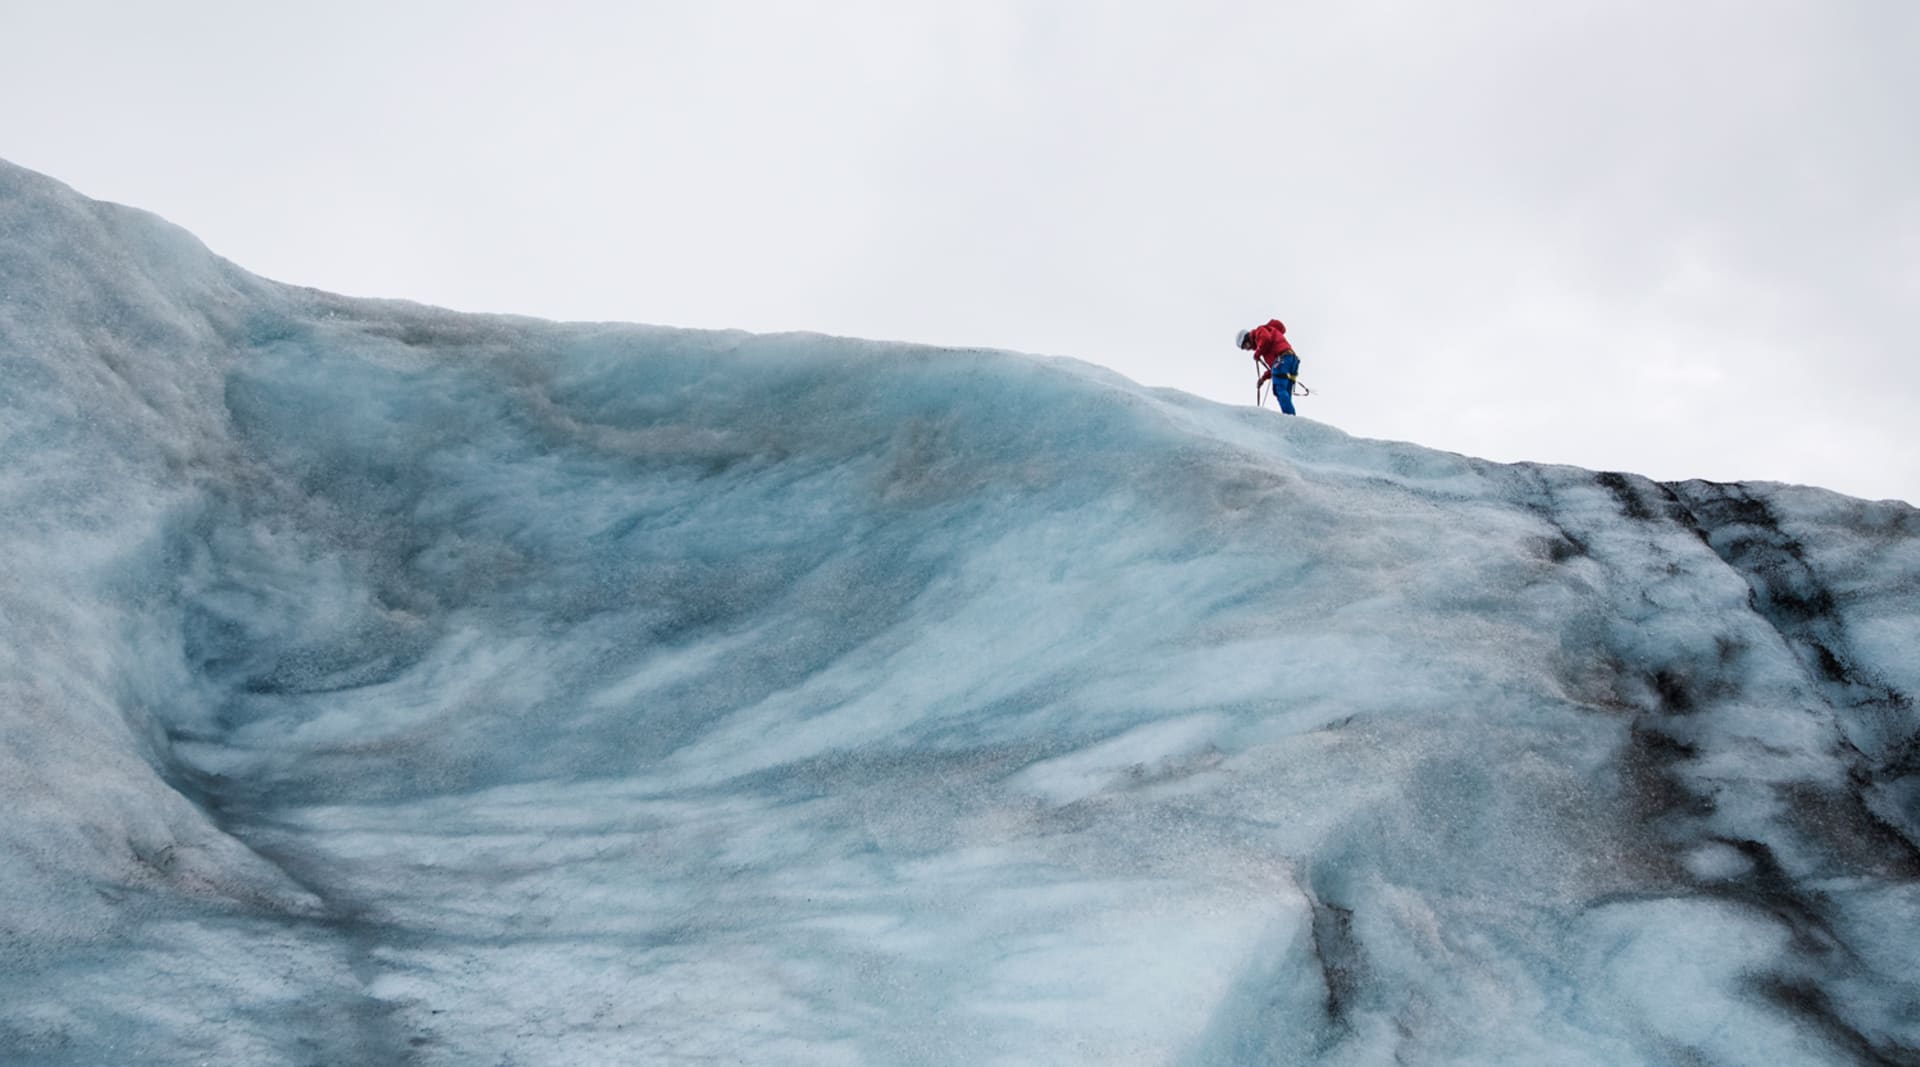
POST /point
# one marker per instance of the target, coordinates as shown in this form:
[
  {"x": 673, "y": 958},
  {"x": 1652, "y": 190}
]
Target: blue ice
[{"x": 381, "y": 684}]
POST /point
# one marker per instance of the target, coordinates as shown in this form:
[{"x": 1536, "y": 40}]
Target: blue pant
[{"x": 1283, "y": 372}]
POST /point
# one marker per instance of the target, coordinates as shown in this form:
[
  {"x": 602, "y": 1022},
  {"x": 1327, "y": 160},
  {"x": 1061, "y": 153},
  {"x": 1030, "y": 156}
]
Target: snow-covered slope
[{"x": 380, "y": 684}]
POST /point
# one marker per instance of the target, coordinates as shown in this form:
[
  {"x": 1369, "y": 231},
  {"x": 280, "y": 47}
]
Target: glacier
[{"x": 382, "y": 684}]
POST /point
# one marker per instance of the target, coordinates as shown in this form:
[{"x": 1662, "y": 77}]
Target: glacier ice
[{"x": 383, "y": 684}]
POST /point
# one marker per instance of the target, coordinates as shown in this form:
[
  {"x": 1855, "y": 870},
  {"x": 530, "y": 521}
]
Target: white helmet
[{"x": 1240, "y": 339}]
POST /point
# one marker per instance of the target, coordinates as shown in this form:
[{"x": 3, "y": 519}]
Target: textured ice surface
[{"x": 379, "y": 684}]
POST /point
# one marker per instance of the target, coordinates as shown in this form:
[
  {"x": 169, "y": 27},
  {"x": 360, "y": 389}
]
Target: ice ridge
[{"x": 381, "y": 684}]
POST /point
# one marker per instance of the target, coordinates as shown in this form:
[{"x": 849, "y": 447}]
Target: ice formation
[{"x": 381, "y": 684}]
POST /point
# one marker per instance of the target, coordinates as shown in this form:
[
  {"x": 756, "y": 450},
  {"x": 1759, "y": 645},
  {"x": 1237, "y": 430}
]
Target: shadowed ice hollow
[{"x": 380, "y": 684}]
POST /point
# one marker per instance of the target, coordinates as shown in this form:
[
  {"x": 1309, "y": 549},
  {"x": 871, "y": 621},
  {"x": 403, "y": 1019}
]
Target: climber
[{"x": 1274, "y": 356}]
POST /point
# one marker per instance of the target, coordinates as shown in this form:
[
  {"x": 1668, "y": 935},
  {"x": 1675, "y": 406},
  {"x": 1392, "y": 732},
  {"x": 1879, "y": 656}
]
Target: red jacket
[{"x": 1270, "y": 342}]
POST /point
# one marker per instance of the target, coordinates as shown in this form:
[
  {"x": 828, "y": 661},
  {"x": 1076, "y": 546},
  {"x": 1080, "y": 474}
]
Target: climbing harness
[{"x": 1260, "y": 396}]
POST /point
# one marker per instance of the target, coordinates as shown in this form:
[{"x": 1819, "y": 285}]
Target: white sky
[{"x": 1680, "y": 238}]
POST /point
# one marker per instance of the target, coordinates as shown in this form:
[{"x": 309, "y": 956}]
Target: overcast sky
[{"x": 1680, "y": 238}]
